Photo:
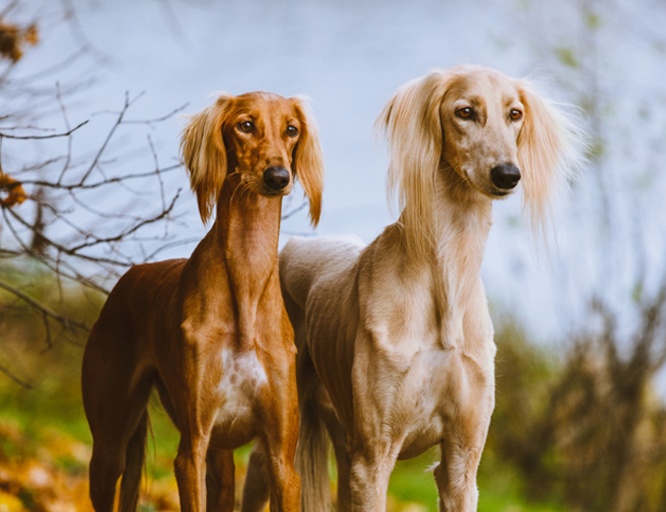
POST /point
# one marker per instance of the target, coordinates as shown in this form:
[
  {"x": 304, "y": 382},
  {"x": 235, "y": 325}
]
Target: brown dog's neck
[
  {"x": 247, "y": 229},
  {"x": 239, "y": 252}
]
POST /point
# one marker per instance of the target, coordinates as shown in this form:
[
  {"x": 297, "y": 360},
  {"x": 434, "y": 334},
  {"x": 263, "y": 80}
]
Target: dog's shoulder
[
  {"x": 315, "y": 262},
  {"x": 320, "y": 251}
]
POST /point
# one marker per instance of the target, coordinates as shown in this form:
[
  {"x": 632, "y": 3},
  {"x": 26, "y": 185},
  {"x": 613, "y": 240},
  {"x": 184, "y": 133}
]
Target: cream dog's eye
[
  {"x": 515, "y": 114},
  {"x": 465, "y": 113}
]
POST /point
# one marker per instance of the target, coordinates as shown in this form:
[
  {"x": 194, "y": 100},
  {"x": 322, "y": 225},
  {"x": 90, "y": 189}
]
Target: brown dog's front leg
[
  {"x": 256, "y": 491},
  {"x": 190, "y": 468},
  {"x": 279, "y": 443},
  {"x": 220, "y": 480},
  {"x": 286, "y": 484},
  {"x": 272, "y": 477}
]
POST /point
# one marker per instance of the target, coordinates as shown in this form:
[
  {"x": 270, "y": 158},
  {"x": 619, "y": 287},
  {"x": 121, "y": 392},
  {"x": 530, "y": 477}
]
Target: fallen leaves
[
  {"x": 35, "y": 479},
  {"x": 48, "y": 472}
]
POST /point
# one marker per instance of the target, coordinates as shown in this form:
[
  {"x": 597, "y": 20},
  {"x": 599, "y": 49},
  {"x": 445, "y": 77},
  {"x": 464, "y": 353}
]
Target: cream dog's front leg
[
  {"x": 372, "y": 446},
  {"x": 461, "y": 453},
  {"x": 369, "y": 478}
]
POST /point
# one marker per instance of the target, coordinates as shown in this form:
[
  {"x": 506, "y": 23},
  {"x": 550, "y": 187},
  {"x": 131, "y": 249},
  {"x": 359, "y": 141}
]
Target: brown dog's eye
[
  {"x": 515, "y": 114},
  {"x": 246, "y": 126},
  {"x": 465, "y": 113},
  {"x": 292, "y": 131}
]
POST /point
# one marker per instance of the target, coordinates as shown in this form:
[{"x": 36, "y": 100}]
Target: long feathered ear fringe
[
  {"x": 204, "y": 155},
  {"x": 412, "y": 126},
  {"x": 551, "y": 147},
  {"x": 308, "y": 160}
]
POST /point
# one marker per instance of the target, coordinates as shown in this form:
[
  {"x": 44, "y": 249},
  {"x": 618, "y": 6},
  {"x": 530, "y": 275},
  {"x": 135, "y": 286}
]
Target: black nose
[
  {"x": 505, "y": 176},
  {"x": 276, "y": 178}
]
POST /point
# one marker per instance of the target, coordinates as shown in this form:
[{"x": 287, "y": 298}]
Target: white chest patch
[{"x": 243, "y": 376}]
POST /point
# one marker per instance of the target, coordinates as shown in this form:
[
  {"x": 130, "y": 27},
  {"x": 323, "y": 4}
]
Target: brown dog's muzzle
[{"x": 277, "y": 178}]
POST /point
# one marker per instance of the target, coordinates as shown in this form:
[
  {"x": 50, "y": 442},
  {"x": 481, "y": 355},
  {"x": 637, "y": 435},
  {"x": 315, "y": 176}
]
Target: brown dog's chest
[{"x": 241, "y": 381}]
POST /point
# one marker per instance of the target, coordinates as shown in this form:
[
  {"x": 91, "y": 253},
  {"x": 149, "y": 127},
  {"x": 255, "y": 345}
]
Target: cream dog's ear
[
  {"x": 549, "y": 152},
  {"x": 412, "y": 126}
]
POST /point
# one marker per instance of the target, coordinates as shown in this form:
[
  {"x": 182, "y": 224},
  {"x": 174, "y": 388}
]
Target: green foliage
[
  {"x": 592, "y": 20},
  {"x": 567, "y": 56},
  {"x": 585, "y": 429},
  {"x": 524, "y": 375},
  {"x": 411, "y": 482}
]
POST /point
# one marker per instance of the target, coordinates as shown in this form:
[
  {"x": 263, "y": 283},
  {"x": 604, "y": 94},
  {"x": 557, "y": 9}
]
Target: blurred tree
[
  {"x": 587, "y": 428},
  {"x": 66, "y": 213},
  {"x": 591, "y": 428}
]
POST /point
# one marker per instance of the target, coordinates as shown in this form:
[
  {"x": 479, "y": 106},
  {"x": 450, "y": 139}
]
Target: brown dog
[{"x": 210, "y": 333}]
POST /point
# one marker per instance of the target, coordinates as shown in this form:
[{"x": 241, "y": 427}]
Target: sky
[{"x": 349, "y": 57}]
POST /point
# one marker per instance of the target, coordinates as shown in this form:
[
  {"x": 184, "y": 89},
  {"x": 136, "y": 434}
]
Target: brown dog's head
[{"x": 263, "y": 140}]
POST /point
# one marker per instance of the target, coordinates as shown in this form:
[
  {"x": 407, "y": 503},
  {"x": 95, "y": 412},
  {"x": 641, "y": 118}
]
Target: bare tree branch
[
  {"x": 7, "y": 372},
  {"x": 43, "y": 137},
  {"x": 63, "y": 320},
  {"x": 62, "y": 211}
]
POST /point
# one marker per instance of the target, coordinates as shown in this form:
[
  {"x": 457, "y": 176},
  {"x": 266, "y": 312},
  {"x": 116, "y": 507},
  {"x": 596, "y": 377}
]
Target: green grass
[
  {"x": 411, "y": 482},
  {"x": 500, "y": 488},
  {"x": 502, "y": 491}
]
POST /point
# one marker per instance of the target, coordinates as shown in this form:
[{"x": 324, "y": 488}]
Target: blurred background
[{"x": 94, "y": 95}]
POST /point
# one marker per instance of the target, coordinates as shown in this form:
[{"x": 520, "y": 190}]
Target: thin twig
[
  {"x": 13, "y": 377},
  {"x": 98, "y": 184},
  {"x": 65, "y": 321},
  {"x": 109, "y": 136},
  {"x": 42, "y": 137}
]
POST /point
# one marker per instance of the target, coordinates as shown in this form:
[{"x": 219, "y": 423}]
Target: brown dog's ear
[
  {"x": 308, "y": 160},
  {"x": 204, "y": 155}
]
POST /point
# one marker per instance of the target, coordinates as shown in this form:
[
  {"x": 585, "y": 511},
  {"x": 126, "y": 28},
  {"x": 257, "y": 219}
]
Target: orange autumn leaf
[{"x": 15, "y": 194}]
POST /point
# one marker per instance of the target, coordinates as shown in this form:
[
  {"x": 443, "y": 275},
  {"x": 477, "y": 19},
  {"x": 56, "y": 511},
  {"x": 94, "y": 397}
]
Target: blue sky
[{"x": 349, "y": 57}]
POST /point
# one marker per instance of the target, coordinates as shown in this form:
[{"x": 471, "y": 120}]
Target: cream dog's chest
[{"x": 429, "y": 389}]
